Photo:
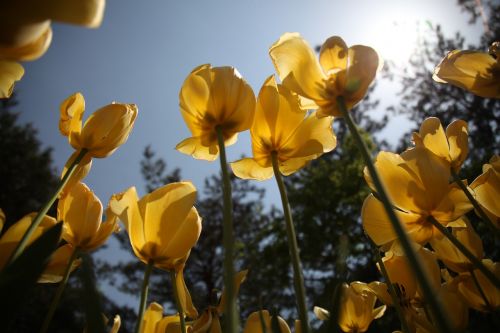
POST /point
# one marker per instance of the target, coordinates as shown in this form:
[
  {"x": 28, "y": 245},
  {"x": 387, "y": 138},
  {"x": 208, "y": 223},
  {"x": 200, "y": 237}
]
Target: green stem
[
  {"x": 392, "y": 290},
  {"x": 173, "y": 278},
  {"x": 441, "y": 319},
  {"x": 465, "y": 251},
  {"x": 231, "y": 318},
  {"x": 476, "y": 205},
  {"x": 144, "y": 296},
  {"x": 293, "y": 247},
  {"x": 38, "y": 218},
  {"x": 59, "y": 292},
  {"x": 481, "y": 291},
  {"x": 262, "y": 322}
]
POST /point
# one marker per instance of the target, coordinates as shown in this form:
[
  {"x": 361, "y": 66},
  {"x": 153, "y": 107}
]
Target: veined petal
[
  {"x": 361, "y": 69},
  {"x": 164, "y": 210},
  {"x": 377, "y": 224},
  {"x": 291, "y": 165},
  {"x": 333, "y": 54},
  {"x": 297, "y": 66},
  {"x": 487, "y": 190},
  {"x": 184, "y": 237},
  {"x": 453, "y": 205},
  {"x": 434, "y": 138},
  {"x": 193, "y": 147},
  {"x": 458, "y": 139},
  {"x": 10, "y": 73},
  {"x": 72, "y": 109},
  {"x": 248, "y": 168}
]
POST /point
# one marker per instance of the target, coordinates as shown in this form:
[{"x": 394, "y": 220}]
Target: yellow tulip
[
  {"x": 282, "y": 128},
  {"x": 254, "y": 323},
  {"x": 451, "y": 256},
  {"x": 417, "y": 182},
  {"x": 57, "y": 263},
  {"x": 356, "y": 308},
  {"x": 81, "y": 211},
  {"x": 103, "y": 132},
  {"x": 163, "y": 226},
  {"x": 213, "y": 98},
  {"x": 25, "y": 32},
  {"x": 452, "y": 146},
  {"x": 154, "y": 322},
  {"x": 469, "y": 290},
  {"x": 340, "y": 71},
  {"x": 454, "y": 304},
  {"x": 476, "y": 72},
  {"x": 487, "y": 189},
  {"x": 10, "y": 73}
]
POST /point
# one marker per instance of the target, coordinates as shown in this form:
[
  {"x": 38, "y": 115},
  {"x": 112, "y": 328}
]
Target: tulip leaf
[
  {"x": 19, "y": 278},
  {"x": 91, "y": 299}
]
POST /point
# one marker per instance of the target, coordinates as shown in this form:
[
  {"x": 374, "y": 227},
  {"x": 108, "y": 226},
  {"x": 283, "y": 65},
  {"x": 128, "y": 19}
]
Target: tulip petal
[
  {"x": 183, "y": 236},
  {"x": 10, "y": 72},
  {"x": 152, "y": 316},
  {"x": 248, "y": 168},
  {"x": 193, "y": 147},
  {"x": 361, "y": 69},
  {"x": 71, "y": 110},
  {"x": 185, "y": 296},
  {"x": 297, "y": 66},
  {"x": 87, "y": 13},
  {"x": 333, "y": 54},
  {"x": 487, "y": 190},
  {"x": 39, "y": 38},
  {"x": 458, "y": 140}
]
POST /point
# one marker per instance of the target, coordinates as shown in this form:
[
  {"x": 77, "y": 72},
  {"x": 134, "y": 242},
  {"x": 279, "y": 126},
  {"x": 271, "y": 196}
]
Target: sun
[{"x": 395, "y": 39}]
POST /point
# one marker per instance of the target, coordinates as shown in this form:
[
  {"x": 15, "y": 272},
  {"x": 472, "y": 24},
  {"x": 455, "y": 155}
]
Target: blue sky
[{"x": 144, "y": 50}]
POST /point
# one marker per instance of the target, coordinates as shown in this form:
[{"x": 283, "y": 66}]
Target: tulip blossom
[
  {"x": 487, "y": 190},
  {"x": 356, "y": 308},
  {"x": 81, "y": 211},
  {"x": 254, "y": 323},
  {"x": 25, "y": 32},
  {"x": 103, "y": 132},
  {"x": 474, "y": 297},
  {"x": 10, "y": 73},
  {"x": 212, "y": 98},
  {"x": 163, "y": 226},
  {"x": 451, "y": 146},
  {"x": 417, "y": 182},
  {"x": 474, "y": 71},
  {"x": 58, "y": 262},
  {"x": 340, "y": 71},
  {"x": 282, "y": 128}
]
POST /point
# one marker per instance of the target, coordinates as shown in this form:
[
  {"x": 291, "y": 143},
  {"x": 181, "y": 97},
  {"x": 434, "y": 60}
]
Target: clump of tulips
[{"x": 415, "y": 216}]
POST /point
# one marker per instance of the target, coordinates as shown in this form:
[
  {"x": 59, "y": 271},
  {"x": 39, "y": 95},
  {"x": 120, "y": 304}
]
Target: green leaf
[
  {"x": 19, "y": 278},
  {"x": 91, "y": 299}
]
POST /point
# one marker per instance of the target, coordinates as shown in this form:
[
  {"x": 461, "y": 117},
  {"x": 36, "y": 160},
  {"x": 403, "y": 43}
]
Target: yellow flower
[
  {"x": 340, "y": 71},
  {"x": 454, "y": 304},
  {"x": 211, "y": 98},
  {"x": 356, "y": 308},
  {"x": 163, "y": 226},
  {"x": 254, "y": 323},
  {"x": 417, "y": 182},
  {"x": 25, "y": 32},
  {"x": 476, "y": 72},
  {"x": 281, "y": 127},
  {"x": 154, "y": 322},
  {"x": 10, "y": 72},
  {"x": 81, "y": 211},
  {"x": 487, "y": 189},
  {"x": 103, "y": 132},
  {"x": 58, "y": 262},
  {"x": 451, "y": 256},
  {"x": 452, "y": 146},
  {"x": 473, "y": 296}
]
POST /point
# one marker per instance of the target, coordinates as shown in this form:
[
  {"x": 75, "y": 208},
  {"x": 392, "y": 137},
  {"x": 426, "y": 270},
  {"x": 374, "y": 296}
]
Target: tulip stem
[
  {"x": 298, "y": 279},
  {"x": 38, "y": 218},
  {"x": 441, "y": 319},
  {"x": 390, "y": 286},
  {"x": 231, "y": 318},
  {"x": 144, "y": 296},
  {"x": 481, "y": 291},
  {"x": 476, "y": 205},
  {"x": 59, "y": 292},
  {"x": 465, "y": 251},
  {"x": 173, "y": 278}
]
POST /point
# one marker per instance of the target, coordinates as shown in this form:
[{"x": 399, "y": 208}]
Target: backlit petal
[{"x": 10, "y": 73}]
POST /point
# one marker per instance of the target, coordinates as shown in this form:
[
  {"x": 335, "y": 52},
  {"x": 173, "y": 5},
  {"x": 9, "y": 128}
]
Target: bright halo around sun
[{"x": 395, "y": 40}]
